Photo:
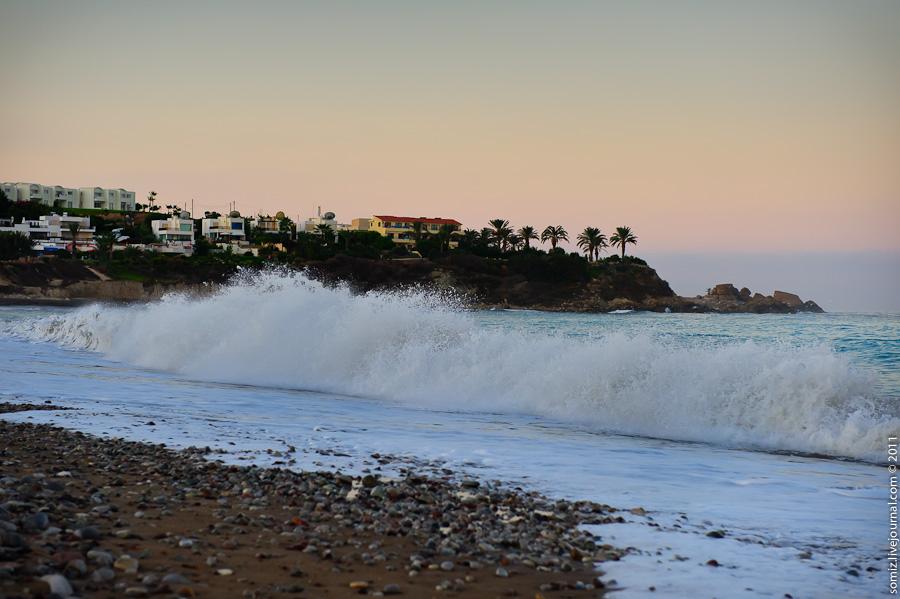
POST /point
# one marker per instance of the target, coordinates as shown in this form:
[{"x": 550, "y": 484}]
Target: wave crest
[{"x": 280, "y": 329}]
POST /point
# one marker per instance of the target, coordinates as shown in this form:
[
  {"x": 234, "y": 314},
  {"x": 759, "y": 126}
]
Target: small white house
[
  {"x": 175, "y": 234},
  {"x": 224, "y": 228}
]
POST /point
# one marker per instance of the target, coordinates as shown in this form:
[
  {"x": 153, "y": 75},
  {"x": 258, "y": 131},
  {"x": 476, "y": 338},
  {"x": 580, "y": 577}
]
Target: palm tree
[
  {"x": 418, "y": 230},
  {"x": 74, "y": 228},
  {"x": 591, "y": 240},
  {"x": 151, "y": 202},
  {"x": 501, "y": 231},
  {"x": 527, "y": 233},
  {"x": 622, "y": 237},
  {"x": 554, "y": 234},
  {"x": 326, "y": 232},
  {"x": 445, "y": 233},
  {"x": 514, "y": 241}
]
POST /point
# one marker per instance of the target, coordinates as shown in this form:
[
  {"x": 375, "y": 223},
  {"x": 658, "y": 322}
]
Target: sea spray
[{"x": 283, "y": 329}]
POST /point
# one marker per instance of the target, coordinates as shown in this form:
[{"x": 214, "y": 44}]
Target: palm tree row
[{"x": 591, "y": 241}]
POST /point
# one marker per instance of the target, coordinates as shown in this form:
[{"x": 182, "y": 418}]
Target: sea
[{"x": 775, "y": 430}]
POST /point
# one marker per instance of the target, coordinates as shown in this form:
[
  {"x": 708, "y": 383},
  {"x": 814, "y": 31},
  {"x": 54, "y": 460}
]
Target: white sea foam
[{"x": 285, "y": 330}]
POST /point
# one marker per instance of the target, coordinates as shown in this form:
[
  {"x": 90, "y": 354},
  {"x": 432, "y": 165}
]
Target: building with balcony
[
  {"x": 401, "y": 229},
  {"x": 266, "y": 224},
  {"x": 224, "y": 228},
  {"x": 97, "y": 198},
  {"x": 55, "y": 232},
  {"x": 174, "y": 229}
]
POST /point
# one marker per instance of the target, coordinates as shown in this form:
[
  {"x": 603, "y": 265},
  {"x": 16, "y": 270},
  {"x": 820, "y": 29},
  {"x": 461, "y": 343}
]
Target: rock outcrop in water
[{"x": 725, "y": 297}]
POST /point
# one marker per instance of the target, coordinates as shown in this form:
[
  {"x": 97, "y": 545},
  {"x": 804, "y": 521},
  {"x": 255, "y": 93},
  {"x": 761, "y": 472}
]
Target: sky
[{"x": 746, "y": 133}]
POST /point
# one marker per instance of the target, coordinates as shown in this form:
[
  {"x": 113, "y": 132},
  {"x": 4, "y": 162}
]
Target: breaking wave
[{"x": 278, "y": 329}]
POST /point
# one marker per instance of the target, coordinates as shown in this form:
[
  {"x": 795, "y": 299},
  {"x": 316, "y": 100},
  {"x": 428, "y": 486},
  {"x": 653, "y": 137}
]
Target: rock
[
  {"x": 76, "y": 567},
  {"x": 369, "y": 481},
  {"x": 103, "y": 575},
  {"x": 89, "y": 533},
  {"x": 392, "y": 589},
  {"x": 502, "y": 572},
  {"x": 127, "y": 564},
  {"x": 447, "y": 566},
  {"x": 716, "y": 534},
  {"x": 36, "y": 521},
  {"x": 224, "y": 571},
  {"x": 359, "y": 585},
  {"x": 58, "y": 585},
  {"x": 136, "y": 592},
  {"x": 744, "y": 294},
  {"x": 810, "y": 306},
  {"x": 174, "y": 579},
  {"x": 790, "y": 299},
  {"x": 186, "y": 543},
  {"x": 724, "y": 290},
  {"x": 104, "y": 558},
  {"x": 12, "y": 540}
]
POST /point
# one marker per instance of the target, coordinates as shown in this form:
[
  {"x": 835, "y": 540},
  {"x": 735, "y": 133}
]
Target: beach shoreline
[{"x": 107, "y": 517}]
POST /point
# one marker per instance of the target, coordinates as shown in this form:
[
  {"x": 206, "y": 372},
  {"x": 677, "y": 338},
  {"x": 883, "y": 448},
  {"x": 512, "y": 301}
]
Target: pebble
[
  {"x": 392, "y": 589},
  {"x": 447, "y": 566},
  {"x": 224, "y": 571},
  {"x": 103, "y": 574},
  {"x": 502, "y": 572},
  {"x": 58, "y": 584},
  {"x": 359, "y": 585},
  {"x": 174, "y": 579},
  {"x": 127, "y": 564}
]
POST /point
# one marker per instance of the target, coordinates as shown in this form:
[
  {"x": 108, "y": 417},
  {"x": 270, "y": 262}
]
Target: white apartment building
[
  {"x": 98, "y": 198},
  {"x": 10, "y": 191},
  {"x": 224, "y": 228},
  {"x": 69, "y": 197},
  {"x": 54, "y": 232}
]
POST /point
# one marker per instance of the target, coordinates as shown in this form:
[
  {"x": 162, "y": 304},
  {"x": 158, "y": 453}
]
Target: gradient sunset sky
[{"x": 709, "y": 127}]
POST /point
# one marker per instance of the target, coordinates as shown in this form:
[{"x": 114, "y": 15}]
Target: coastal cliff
[{"x": 554, "y": 284}]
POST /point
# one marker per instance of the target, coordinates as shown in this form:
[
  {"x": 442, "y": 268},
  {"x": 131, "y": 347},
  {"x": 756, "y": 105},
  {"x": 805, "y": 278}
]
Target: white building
[
  {"x": 69, "y": 197},
  {"x": 98, "y": 198},
  {"x": 224, "y": 228},
  {"x": 10, "y": 191},
  {"x": 328, "y": 218},
  {"x": 266, "y": 224},
  {"x": 175, "y": 230},
  {"x": 54, "y": 232}
]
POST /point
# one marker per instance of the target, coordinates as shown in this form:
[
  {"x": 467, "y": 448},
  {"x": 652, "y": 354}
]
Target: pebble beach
[{"x": 82, "y": 516}]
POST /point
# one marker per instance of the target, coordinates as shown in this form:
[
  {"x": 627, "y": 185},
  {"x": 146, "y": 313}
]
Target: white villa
[
  {"x": 54, "y": 232},
  {"x": 69, "y": 197},
  {"x": 224, "y": 228},
  {"x": 174, "y": 228}
]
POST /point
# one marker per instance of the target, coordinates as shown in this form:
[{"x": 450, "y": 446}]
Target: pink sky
[{"x": 706, "y": 127}]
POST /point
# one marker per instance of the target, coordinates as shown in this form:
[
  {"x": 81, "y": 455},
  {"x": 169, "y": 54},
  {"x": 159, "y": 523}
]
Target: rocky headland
[{"x": 548, "y": 284}]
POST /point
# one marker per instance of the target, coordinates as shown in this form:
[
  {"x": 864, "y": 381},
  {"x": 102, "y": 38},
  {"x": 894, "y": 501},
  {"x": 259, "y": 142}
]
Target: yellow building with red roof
[{"x": 401, "y": 229}]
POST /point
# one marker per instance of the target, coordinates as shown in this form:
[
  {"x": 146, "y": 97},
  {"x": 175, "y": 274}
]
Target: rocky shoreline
[
  {"x": 635, "y": 287},
  {"x": 90, "y": 517}
]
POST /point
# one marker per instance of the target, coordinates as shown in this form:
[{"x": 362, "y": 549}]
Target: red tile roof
[{"x": 412, "y": 219}]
